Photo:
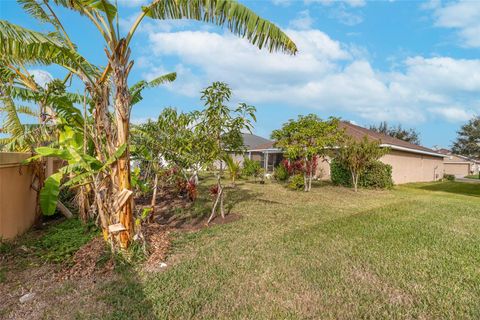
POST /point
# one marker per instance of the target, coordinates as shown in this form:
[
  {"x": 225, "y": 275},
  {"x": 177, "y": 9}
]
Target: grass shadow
[
  {"x": 125, "y": 297},
  {"x": 466, "y": 189}
]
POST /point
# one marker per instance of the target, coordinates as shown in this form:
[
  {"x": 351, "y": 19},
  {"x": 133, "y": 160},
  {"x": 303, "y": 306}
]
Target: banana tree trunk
[{"x": 121, "y": 66}]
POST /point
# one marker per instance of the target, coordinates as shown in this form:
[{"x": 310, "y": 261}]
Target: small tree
[
  {"x": 358, "y": 155},
  {"x": 222, "y": 129},
  {"x": 172, "y": 141},
  {"x": 308, "y": 138}
]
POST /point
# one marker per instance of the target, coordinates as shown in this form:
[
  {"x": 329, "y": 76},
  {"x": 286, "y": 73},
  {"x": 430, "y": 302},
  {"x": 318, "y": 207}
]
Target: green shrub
[
  {"x": 377, "y": 176},
  {"x": 251, "y": 168},
  {"x": 339, "y": 174},
  {"x": 281, "y": 173},
  {"x": 449, "y": 177},
  {"x": 297, "y": 182}
]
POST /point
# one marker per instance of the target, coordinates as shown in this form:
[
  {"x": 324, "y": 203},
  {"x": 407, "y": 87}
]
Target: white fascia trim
[
  {"x": 393, "y": 147},
  {"x": 271, "y": 150}
]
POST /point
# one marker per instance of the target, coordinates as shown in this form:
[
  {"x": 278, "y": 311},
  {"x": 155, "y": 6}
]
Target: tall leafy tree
[
  {"x": 308, "y": 138},
  {"x": 468, "y": 139},
  {"x": 356, "y": 156},
  {"x": 410, "y": 135},
  {"x": 107, "y": 87}
]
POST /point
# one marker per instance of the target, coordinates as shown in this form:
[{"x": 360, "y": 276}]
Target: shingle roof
[
  {"x": 358, "y": 133},
  {"x": 252, "y": 141}
]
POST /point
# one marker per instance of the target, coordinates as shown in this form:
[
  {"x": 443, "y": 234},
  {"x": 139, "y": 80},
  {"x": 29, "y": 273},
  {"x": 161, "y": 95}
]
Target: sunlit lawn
[{"x": 412, "y": 252}]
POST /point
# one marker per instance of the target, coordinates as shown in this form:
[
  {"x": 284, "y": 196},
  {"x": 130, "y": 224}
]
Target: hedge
[{"x": 377, "y": 176}]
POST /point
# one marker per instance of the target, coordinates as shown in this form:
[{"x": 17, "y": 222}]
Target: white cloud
[
  {"x": 325, "y": 75},
  {"x": 453, "y": 114},
  {"x": 346, "y": 17},
  {"x": 41, "y": 77},
  {"x": 303, "y": 21},
  {"x": 464, "y": 16}
]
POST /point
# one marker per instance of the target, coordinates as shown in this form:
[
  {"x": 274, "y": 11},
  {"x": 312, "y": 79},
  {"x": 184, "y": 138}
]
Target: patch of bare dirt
[
  {"x": 369, "y": 279},
  {"x": 92, "y": 259}
]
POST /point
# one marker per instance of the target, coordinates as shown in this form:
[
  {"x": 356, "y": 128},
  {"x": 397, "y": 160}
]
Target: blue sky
[{"x": 408, "y": 62}]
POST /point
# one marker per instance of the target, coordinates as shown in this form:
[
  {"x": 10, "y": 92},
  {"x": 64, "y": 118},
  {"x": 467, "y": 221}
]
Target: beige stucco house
[
  {"x": 458, "y": 165},
  {"x": 410, "y": 162}
]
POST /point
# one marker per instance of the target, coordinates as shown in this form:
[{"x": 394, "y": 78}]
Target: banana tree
[{"x": 18, "y": 44}]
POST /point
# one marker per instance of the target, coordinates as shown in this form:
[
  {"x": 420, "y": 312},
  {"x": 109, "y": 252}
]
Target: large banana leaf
[
  {"x": 137, "y": 88},
  {"x": 238, "y": 18},
  {"x": 49, "y": 194},
  {"x": 21, "y": 45}
]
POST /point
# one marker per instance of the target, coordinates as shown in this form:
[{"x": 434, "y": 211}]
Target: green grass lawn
[
  {"x": 411, "y": 252},
  {"x": 473, "y": 176}
]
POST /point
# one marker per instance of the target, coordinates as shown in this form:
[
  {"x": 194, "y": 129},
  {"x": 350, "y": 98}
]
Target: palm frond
[
  {"x": 33, "y": 8},
  {"x": 237, "y": 17},
  {"x": 20, "y": 45},
  {"x": 11, "y": 122},
  {"x": 27, "y": 111},
  {"x": 137, "y": 88}
]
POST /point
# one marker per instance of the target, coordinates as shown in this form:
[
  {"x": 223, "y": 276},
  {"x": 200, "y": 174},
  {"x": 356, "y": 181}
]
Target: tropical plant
[
  {"x": 221, "y": 128},
  {"x": 297, "y": 182},
  {"x": 357, "y": 156},
  {"x": 307, "y": 139},
  {"x": 281, "y": 173},
  {"x": 233, "y": 167},
  {"x": 170, "y": 141},
  {"x": 107, "y": 86},
  {"x": 251, "y": 168}
]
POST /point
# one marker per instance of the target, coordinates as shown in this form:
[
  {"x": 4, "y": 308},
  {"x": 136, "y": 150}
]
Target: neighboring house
[
  {"x": 263, "y": 151},
  {"x": 410, "y": 162},
  {"x": 458, "y": 165}
]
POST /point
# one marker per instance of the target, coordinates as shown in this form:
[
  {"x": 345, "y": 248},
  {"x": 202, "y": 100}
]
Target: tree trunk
[
  {"x": 217, "y": 201},
  {"x": 222, "y": 209},
  {"x": 120, "y": 70},
  {"x": 355, "y": 181},
  {"x": 310, "y": 178},
  {"x": 154, "y": 197},
  {"x": 305, "y": 180}
]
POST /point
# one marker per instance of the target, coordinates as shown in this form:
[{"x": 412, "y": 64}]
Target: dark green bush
[
  {"x": 339, "y": 174},
  {"x": 449, "y": 177},
  {"x": 281, "y": 173},
  {"x": 377, "y": 176},
  {"x": 297, "y": 182},
  {"x": 251, "y": 168}
]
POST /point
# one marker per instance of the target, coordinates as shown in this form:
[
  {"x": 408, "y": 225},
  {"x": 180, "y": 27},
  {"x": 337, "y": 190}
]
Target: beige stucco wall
[
  {"x": 411, "y": 167},
  {"x": 406, "y": 167},
  {"x": 323, "y": 168},
  {"x": 457, "y": 169},
  {"x": 17, "y": 198}
]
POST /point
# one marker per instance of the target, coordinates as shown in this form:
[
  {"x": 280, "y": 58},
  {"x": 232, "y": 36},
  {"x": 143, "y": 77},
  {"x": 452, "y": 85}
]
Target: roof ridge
[{"x": 386, "y": 139}]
